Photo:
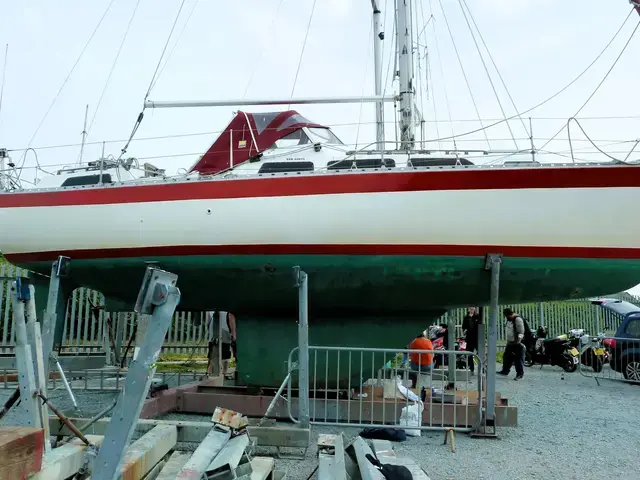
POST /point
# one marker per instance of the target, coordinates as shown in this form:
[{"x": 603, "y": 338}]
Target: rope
[
  {"x": 601, "y": 82},
  {"x": 113, "y": 66},
  {"x": 86, "y": 45},
  {"x": 592, "y": 143}
]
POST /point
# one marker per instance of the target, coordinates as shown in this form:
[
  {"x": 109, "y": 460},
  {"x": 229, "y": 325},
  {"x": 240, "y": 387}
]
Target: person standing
[
  {"x": 223, "y": 331},
  {"x": 470, "y": 329},
  {"x": 514, "y": 352}
]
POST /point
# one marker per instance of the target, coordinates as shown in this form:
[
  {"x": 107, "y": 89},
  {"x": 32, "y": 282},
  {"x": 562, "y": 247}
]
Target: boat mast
[
  {"x": 404, "y": 39},
  {"x": 378, "y": 37}
]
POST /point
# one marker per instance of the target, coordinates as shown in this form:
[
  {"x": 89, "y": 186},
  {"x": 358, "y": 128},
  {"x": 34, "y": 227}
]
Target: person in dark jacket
[
  {"x": 470, "y": 329},
  {"x": 514, "y": 352}
]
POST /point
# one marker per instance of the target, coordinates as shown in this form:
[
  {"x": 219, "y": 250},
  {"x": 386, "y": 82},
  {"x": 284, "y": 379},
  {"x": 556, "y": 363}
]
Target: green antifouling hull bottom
[
  {"x": 264, "y": 345},
  {"x": 369, "y": 301}
]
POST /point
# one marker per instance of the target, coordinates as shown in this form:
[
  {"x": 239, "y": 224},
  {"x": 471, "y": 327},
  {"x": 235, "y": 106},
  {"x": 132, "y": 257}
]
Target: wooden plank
[
  {"x": 281, "y": 436},
  {"x": 21, "y": 451},
  {"x": 147, "y": 451},
  {"x": 176, "y": 461},
  {"x": 65, "y": 461}
]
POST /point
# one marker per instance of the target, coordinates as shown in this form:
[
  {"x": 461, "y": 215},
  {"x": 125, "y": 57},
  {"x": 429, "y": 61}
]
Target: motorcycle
[
  {"x": 556, "y": 351},
  {"x": 438, "y": 336},
  {"x": 594, "y": 355}
]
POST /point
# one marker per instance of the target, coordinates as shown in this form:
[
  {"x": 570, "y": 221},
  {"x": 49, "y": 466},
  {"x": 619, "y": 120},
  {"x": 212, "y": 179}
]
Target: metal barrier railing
[
  {"x": 610, "y": 358},
  {"x": 373, "y": 387}
]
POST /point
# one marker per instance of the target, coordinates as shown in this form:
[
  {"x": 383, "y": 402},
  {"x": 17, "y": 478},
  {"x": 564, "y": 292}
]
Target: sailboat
[{"x": 390, "y": 237}]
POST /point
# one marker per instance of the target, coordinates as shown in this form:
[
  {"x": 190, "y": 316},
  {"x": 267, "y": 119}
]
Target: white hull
[{"x": 569, "y": 217}]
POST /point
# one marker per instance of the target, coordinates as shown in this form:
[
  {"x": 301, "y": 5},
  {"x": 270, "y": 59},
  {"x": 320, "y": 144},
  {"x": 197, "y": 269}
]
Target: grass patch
[
  {"x": 181, "y": 367},
  {"x": 181, "y": 357}
]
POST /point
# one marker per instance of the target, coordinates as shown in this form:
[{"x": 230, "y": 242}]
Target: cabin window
[
  {"x": 361, "y": 163},
  {"x": 293, "y": 139},
  {"x": 86, "y": 180},
  {"x": 281, "y": 167},
  {"x": 325, "y": 135},
  {"x": 293, "y": 120},
  {"x": 439, "y": 162},
  {"x": 263, "y": 119}
]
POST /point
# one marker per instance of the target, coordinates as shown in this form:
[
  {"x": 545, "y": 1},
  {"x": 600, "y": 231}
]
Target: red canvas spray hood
[{"x": 246, "y": 136}]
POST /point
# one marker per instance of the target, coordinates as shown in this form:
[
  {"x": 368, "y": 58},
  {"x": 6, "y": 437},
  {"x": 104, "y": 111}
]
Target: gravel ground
[{"x": 569, "y": 427}]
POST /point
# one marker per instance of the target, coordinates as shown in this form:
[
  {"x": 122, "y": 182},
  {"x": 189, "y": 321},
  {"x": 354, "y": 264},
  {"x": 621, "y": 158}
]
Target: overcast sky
[{"x": 252, "y": 49}]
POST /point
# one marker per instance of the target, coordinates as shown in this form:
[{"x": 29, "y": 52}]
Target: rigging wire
[
  {"x": 495, "y": 66},
  {"x": 486, "y": 69},
  {"x": 86, "y": 45},
  {"x": 420, "y": 88},
  {"x": 113, "y": 66},
  {"x": 304, "y": 45},
  {"x": 4, "y": 72},
  {"x": 364, "y": 83},
  {"x": 136, "y": 125},
  {"x": 444, "y": 80},
  {"x": 392, "y": 55},
  {"x": 601, "y": 82},
  {"x": 464, "y": 73},
  {"x": 257, "y": 62},
  {"x": 593, "y": 143},
  {"x": 427, "y": 89},
  {"x": 154, "y": 78},
  {"x": 429, "y": 73},
  {"x": 184, "y": 27},
  {"x": 544, "y": 102}
]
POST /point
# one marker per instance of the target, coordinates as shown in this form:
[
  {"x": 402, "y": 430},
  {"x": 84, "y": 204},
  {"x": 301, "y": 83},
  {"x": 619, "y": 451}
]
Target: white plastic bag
[{"x": 411, "y": 416}]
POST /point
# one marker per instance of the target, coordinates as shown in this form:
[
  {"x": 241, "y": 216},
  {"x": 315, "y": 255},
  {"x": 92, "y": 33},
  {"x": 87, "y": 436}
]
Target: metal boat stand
[
  {"x": 487, "y": 428},
  {"x": 158, "y": 298}
]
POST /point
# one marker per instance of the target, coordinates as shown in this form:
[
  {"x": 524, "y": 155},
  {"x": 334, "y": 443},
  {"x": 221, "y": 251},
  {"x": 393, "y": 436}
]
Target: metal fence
[
  {"x": 365, "y": 387},
  {"x": 85, "y": 327},
  {"x": 621, "y": 360}
]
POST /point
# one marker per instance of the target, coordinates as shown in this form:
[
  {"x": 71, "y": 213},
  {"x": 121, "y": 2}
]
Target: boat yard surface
[{"x": 568, "y": 427}]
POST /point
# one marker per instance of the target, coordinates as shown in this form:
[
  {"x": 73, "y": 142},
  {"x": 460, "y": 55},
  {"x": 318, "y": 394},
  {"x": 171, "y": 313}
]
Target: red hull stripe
[
  {"x": 427, "y": 250},
  {"x": 470, "y": 179}
]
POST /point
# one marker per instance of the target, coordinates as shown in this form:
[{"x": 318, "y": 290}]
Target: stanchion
[
  {"x": 488, "y": 427},
  {"x": 301, "y": 282}
]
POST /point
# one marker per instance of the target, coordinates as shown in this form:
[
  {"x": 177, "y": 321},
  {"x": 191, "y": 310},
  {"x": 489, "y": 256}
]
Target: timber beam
[{"x": 195, "y": 432}]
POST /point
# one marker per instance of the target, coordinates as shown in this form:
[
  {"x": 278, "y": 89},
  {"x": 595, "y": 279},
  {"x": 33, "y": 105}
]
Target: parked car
[{"x": 625, "y": 346}]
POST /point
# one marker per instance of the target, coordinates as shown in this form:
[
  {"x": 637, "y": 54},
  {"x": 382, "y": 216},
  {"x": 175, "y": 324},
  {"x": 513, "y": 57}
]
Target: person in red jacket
[{"x": 420, "y": 362}]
